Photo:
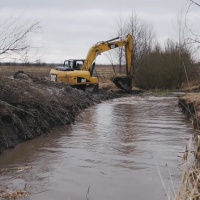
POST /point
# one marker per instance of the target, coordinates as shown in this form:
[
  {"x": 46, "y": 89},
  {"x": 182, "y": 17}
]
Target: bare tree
[
  {"x": 143, "y": 40},
  {"x": 194, "y": 2},
  {"x": 14, "y": 42},
  {"x": 143, "y": 43},
  {"x": 120, "y": 52},
  {"x": 156, "y": 67},
  {"x": 194, "y": 35}
]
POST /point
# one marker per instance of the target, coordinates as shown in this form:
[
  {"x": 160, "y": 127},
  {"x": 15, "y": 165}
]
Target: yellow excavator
[{"x": 78, "y": 73}]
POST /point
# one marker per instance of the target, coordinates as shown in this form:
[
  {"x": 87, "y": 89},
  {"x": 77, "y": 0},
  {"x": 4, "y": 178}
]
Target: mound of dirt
[{"x": 32, "y": 106}]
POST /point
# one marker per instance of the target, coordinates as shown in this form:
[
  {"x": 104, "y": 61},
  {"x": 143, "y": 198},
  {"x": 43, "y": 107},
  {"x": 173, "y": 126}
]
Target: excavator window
[
  {"x": 70, "y": 64},
  {"x": 78, "y": 65},
  {"x": 66, "y": 64}
]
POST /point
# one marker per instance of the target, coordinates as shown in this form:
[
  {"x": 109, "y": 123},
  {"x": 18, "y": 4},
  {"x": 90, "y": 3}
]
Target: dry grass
[
  {"x": 190, "y": 184},
  {"x": 15, "y": 194},
  {"x": 12, "y": 193},
  {"x": 107, "y": 84},
  {"x": 103, "y": 74},
  {"x": 192, "y": 86}
]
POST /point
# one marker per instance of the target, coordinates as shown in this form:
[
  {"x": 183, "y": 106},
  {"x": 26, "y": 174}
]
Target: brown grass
[
  {"x": 107, "y": 84},
  {"x": 43, "y": 71},
  {"x": 190, "y": 183}
]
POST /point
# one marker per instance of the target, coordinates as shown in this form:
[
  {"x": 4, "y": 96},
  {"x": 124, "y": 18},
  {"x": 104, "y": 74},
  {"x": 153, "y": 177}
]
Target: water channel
[{"x": 119, "y": 149}]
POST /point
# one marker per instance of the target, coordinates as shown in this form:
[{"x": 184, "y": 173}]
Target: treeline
[
  {"x": 29, "y": 64},
  {"x": 156, "y": 67},
  {"x": 165, "y": 69}
]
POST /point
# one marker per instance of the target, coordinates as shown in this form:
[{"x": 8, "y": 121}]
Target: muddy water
[{"x": 120, "y": 149}]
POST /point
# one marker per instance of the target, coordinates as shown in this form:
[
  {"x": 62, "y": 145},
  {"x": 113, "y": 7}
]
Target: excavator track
[{"x": 124, "y": 83}]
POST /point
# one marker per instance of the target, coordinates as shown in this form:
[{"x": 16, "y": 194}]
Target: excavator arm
[
  {"x": 121, "y": 82},
  {"x": 104, "y": 46}
]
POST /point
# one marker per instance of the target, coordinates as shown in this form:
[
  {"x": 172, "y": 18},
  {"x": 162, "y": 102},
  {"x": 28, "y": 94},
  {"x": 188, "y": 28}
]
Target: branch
[
  {"x": 189, "y": 29},
  {"x": 13, "y": 38},
  {"x": 195, "y": 3}
]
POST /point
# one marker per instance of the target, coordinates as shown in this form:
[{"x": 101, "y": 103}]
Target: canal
[{"x": 125, "y": 148}]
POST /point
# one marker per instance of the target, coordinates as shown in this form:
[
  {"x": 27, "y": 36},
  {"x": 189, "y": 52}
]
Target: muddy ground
[{"x": 31, "y": 106}]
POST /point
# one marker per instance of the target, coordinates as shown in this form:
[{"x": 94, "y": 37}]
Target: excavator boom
[{"x": 124, "y": 83}]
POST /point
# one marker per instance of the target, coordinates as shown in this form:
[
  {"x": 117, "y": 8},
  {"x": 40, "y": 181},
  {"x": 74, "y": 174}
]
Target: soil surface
[{"x": 31, "y": 106}]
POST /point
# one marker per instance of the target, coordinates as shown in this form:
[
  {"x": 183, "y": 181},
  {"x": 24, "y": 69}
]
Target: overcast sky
[{"x": 70, "y": 28}]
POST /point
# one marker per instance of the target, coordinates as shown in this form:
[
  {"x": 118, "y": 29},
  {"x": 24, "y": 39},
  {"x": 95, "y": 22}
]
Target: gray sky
[{"x": 70, "y": 28}]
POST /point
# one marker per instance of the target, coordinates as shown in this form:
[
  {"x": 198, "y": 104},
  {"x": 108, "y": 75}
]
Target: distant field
[
  {"x": 106, "y": 72},
  {"x": 103, "y": 72},
  {"x": 34, "y": 71}
]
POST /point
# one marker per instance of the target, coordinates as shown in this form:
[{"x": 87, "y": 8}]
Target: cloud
[{"x": 70, "y": 28}]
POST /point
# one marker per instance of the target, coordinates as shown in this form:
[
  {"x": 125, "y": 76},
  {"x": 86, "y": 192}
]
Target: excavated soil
[{"x": 31, "y": 106}]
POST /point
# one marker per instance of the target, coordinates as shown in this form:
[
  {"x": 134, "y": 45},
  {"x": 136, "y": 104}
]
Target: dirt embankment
[
  {"x": 190, "y": 104},
  {"x": 32, "y": 107}
]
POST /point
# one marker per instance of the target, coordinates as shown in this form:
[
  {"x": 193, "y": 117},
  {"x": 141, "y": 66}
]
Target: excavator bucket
[{"x": 124, "y": 83}]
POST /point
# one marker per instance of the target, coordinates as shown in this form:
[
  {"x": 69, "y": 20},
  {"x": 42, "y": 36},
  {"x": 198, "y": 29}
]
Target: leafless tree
[
  {"x": 14, "y": 41},
  {"x": 143, "y": 40},
  {"x": 194, "y": 2},
  {"x": 156, "y": 67},
  {"x": 195, "y": 35},
  {"x": 143, "y": 34},
  {"x": 119, "y": 52}
]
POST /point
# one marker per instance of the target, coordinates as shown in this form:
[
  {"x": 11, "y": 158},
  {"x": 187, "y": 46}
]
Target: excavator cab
[{"x": 71, "y": 65}]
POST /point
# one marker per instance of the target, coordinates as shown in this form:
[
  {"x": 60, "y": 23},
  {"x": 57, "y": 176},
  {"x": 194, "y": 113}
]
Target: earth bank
[
  {"x": 190, "y": 104},
  {"x": 33, "y": 106},
  {"x": 189, "y": 187}
]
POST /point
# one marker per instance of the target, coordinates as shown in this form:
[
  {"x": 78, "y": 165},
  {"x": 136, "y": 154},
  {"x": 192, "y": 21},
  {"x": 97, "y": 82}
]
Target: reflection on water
[{"x": 112, "y": 152}]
